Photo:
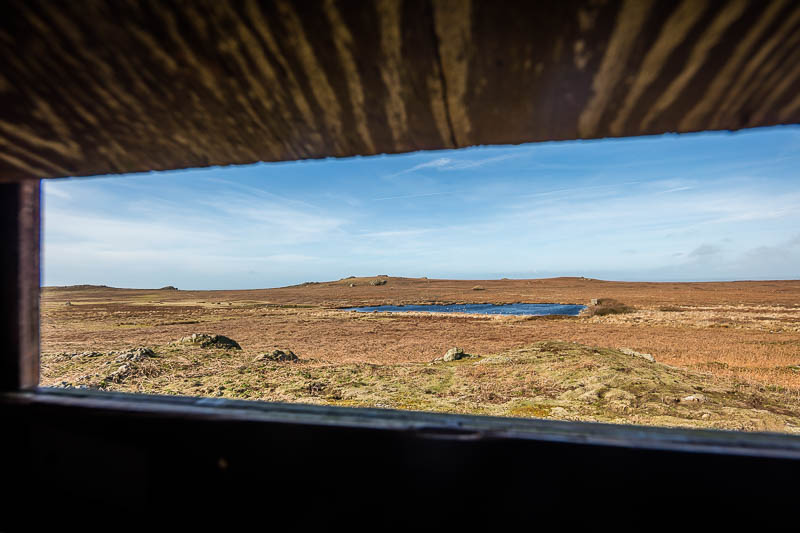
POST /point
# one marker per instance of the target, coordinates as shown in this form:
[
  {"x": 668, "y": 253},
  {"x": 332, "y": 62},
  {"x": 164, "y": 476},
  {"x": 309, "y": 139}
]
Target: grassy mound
[{"x": 608, "y": 306}]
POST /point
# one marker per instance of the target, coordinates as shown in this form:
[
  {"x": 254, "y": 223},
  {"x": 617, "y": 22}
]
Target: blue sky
[{"x": 711, "y": 206}]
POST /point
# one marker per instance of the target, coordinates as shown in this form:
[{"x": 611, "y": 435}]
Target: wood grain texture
[
  {"x": 19, "y": 290},
  {"x": 103, "y": 86}
]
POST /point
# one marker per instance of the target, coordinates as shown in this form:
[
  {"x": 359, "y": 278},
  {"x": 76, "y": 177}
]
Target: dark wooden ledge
[
  {"x": 424, "y": 425},
  {"x": 106, "y": 457}
]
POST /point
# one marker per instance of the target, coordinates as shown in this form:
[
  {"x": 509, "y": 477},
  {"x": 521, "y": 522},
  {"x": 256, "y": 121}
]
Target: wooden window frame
[
  {"x": 48, "y": 433},
  {"x": 19, "y": 373}
]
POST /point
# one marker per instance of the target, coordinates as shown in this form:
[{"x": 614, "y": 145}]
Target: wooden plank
[
  {"x": 19, "y": 285},
  {"x": 105, "y": 86}
]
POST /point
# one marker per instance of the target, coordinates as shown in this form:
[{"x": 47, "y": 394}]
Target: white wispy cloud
[
  {"x": 406, "y": 196},
  {"x": 450, "y": 163}
]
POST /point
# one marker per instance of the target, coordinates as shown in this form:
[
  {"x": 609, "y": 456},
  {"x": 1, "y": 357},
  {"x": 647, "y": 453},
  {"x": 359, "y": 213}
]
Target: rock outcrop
[
  {"x": 209, "y": 341},
  {"x": 279, "y": 356},
  {"x": 135, "y": 354}
]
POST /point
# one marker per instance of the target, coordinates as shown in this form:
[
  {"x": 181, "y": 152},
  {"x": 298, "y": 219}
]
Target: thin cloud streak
[{"x": 405, "y": 196}]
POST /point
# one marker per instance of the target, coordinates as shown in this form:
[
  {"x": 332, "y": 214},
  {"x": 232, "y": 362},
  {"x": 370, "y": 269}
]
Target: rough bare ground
[{"x": 742, "y": 336}]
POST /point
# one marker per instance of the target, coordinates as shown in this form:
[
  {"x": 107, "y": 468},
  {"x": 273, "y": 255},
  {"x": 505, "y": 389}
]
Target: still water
[{"x": 482, "y": 309}]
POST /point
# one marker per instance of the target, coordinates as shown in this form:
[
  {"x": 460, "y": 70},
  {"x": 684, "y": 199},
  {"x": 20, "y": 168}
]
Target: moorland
[{"x": 718, "y": 355}]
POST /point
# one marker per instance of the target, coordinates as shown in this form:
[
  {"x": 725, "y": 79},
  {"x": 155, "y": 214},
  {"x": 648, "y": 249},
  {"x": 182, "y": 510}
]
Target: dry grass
[{"x": 546, "y": 379}]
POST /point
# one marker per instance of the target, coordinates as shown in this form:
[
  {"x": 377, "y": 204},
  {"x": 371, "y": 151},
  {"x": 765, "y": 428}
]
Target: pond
[{"x": 482, "y": 309}]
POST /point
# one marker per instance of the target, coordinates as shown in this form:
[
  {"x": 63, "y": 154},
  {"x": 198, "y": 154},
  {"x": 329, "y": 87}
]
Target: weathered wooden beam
[
  {"x": 19, "y": 285},
  {"x": 104, "y": 86}
]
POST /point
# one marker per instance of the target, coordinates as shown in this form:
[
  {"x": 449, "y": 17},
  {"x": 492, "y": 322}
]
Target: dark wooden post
[{"x": 19, "y": 285}]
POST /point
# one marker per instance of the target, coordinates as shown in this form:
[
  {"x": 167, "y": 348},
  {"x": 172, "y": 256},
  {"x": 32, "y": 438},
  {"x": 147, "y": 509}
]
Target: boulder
[
  {"x": 454, "y": 354},
  {"x": 209, "y": 341},
  {"x": 279, "y": 356},
  {"x": 376, "y": 282}
]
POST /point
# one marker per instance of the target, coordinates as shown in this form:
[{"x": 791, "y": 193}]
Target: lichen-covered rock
[
  {"x": 73, "y": 355},
  {"x": 209, "y": 341},
  {"x": 647, "y": 356},
  {"x": 135, "y": 354},
  {"x": 454, "y": 354},
  {"x": 376, "y": 282},
  {"x": 694, "y": 398},
  {"x": 120, "y": 373},
  {"x": 279, "y": 356}
]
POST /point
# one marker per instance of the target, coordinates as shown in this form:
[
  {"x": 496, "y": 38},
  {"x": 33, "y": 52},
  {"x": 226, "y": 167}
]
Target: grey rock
[
  {"x": 279, "y": 356},
  {"x": 454, "y": 354},
  {"x": 694, "y": 398},
  {"x": 119, "y": 375},
  {"x": 73, "y": 355},
  {"x": 135, "y": 354},
  {"x": 647, "y": 356},
  {"x": 209, "y": 341}
]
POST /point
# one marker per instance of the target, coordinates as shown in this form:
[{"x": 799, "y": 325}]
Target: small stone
[
  {"x": 647, "y": 356},
  {"x": 693, "y": 398}
]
